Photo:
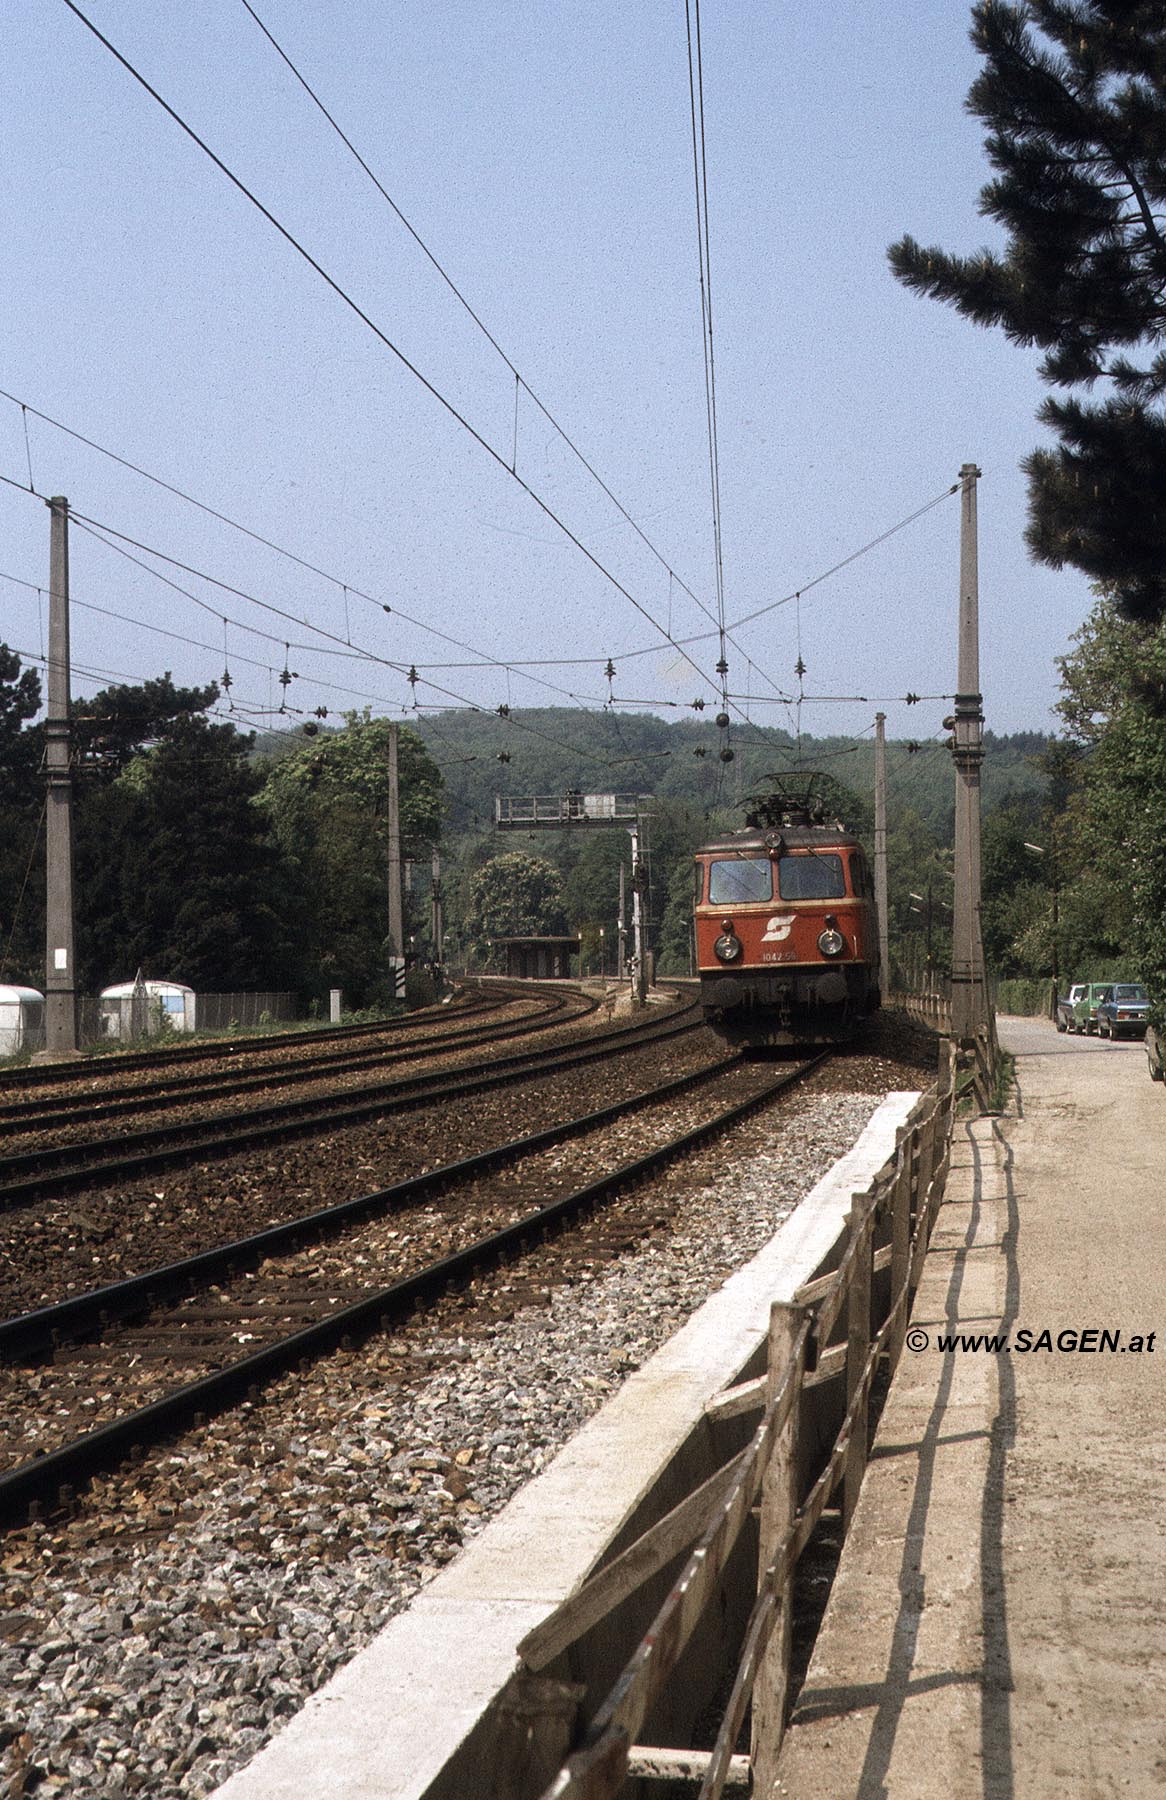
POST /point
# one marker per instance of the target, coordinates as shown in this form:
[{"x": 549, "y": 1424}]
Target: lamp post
[
  {"x": 924, "y": 907},
  {"x": 1040, "y": 850}
]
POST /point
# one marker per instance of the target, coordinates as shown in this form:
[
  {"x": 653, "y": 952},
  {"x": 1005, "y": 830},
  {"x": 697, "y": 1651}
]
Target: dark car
[{"x": 1121, "y": 1011}]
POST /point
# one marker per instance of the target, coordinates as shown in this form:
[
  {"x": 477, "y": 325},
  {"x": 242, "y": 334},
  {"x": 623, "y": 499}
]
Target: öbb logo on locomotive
[{"x": 808, "y": 973}]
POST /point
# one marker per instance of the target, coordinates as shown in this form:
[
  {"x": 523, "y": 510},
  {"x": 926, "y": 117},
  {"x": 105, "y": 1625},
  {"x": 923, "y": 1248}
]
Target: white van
[
  {"x": 162, "y": 1005},
  {"x": 22, "y": 1019}
]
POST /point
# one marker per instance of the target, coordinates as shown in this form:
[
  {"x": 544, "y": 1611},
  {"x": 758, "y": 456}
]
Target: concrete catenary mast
[
  {"x": 969, "y": 1000},
  {"x": 60, "y": 976}
]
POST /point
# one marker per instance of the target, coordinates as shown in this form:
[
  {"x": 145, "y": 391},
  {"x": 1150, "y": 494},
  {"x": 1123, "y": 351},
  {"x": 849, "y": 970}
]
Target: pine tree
[{"x": 1073, "y": 98}]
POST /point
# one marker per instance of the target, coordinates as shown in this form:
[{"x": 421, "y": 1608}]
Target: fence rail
[
  {"x": 212, "y": 1012},
  {"x": 218, "y": 1012},
  {"x": 932, "y": 1005},
  {"x": 889, "y": 1229}
]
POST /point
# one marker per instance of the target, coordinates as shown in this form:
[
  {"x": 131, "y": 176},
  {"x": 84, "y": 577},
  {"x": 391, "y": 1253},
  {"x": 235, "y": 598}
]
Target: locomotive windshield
[
  {"x": 815, "y": 877},
  {"x": 740, "y": 881}
]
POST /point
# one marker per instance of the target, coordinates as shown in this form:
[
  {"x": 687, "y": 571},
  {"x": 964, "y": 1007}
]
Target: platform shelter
[{"x": 539, "y": 958}]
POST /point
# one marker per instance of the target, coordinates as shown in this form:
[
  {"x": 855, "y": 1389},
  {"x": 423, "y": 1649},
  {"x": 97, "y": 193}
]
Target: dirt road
[{"x": 998, "y": 1627}]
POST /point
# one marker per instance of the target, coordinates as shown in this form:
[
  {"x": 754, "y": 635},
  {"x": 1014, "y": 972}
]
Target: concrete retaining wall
[{"x": 432, "y": 1708}]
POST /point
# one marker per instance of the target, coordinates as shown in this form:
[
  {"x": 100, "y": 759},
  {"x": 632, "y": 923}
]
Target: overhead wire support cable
[
  {"x": 382, "y": 336},
  {"x": 835, "y": 568},
  {"x": 98, "y": 529},
  {"x": 700, "y": 179},
  {"x": 519, "y": 379},
  {"x": 345, "y": 646},
  {"x": 347, "y": 588},
  {"x": 482, "y": 662}
]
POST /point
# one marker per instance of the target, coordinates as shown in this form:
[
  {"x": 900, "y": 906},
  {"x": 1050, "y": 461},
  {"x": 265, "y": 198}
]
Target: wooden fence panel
[{"x": 902, "y": 1200}]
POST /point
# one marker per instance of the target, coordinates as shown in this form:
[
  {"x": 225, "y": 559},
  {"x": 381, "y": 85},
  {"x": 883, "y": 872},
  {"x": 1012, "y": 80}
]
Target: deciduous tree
[
  {"x": 328, "y": 802},
  {"x": 514, "y": 895}
]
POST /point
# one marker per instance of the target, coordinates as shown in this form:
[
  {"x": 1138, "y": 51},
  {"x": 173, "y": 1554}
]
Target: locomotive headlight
[
  {"x": 831, "y": 942},
  {"x": 727, "y": 947}
]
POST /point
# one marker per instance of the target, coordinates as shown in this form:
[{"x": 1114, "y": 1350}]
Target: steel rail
[
  {"x": 59, "y": 1472},
  {"x": 119, "y": 1062},
  {"x": 61, "y": 1168},
  {"x": 112, "y": 1062},
  {"x": 55, "y": 1111},
  {"x": 86, "y": 1315}
]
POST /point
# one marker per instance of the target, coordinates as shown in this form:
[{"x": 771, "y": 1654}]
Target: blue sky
[{"x": 543, "y": 153}]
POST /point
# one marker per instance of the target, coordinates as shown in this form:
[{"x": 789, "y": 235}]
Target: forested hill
[{"x": 550, "y": 750}]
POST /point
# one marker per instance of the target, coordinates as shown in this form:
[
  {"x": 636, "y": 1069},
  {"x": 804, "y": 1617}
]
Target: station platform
[{"x": 997, "y": 1626}]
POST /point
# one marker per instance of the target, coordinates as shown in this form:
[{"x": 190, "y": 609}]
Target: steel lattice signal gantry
[{"x": 577, "y": 811}]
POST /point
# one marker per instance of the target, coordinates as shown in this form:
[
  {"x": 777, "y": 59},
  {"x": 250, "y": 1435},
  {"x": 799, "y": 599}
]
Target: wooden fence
[
  {"x": 932, "y": 1005},
  {"x": 827, "y": 1334}
]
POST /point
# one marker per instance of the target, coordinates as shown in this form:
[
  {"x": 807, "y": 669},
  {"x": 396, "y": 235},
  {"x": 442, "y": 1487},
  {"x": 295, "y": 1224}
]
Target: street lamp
[
  {"x": 1040, "y": 850},
  {"x": 602, "y": 956},
  {"x": 925, "y": 907}
]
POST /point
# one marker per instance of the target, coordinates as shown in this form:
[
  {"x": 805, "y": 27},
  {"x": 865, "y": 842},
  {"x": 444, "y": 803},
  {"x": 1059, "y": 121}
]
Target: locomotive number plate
[{"x": 771, "y": 956}]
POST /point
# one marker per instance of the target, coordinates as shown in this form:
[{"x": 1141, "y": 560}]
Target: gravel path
[{"x": 152, "y": 1643}]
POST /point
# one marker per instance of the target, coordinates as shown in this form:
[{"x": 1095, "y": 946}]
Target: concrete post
[
  {"x": 60, "y": 977},
  {"x": 396, "y": 921},
  {"x": 640, "y": 980},
  {"x": 968, "y": 989},
  {"x": 437, "y": 919},
  {"x": 880, "y": 849}
]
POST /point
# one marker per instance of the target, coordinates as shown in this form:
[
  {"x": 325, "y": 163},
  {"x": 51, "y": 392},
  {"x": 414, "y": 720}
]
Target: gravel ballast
[{"x": 154, "y": 1641}]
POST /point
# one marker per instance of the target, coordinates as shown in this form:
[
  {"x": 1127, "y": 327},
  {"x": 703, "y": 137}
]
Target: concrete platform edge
[{"x": 391, "y": 1719}]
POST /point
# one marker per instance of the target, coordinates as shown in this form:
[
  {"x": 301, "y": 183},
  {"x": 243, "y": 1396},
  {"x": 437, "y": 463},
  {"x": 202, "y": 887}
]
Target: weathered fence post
[
  {"x": 857, "y": 1348},
  {"x": 926, "y": 1137},
  {"x": 780, "y": 1497},
  {"x": 901, "y": 1243}
]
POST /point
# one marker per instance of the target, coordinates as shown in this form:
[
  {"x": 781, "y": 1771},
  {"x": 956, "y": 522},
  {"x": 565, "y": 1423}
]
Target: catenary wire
[
  {"x": 700, "y": 176},
  {"x": 382, "y": 336},
  {"x": 360, "y": 594},
  {"x": 519, "y": 378}
]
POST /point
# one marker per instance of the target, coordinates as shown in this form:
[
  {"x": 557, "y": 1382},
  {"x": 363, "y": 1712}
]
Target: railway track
[
  {"x": 106, "y": 1071},
  {"x": 297, "y": 1315},
  {"x": 56, "y": 1112},
  {"x": 54, "y": 1169}
]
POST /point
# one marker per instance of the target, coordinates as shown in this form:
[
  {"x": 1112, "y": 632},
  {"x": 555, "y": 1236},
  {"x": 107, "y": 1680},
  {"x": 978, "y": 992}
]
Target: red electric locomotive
[{"x": 786, "y": 937}]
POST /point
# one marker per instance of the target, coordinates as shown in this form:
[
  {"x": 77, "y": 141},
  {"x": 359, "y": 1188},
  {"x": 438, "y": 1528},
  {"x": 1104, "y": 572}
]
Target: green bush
[
  {"x": 420, "y": 989},
  {"x": 1026, "y": 997}
]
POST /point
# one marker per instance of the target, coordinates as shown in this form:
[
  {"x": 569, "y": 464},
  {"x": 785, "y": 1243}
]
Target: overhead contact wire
[
  {"x": 519, "y": 378},
  {"x": 382, "y": 337}
]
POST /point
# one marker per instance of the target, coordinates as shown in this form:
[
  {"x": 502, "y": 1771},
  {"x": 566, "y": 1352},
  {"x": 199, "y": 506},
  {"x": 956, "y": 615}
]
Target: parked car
[
  {"x": 1065, "y": 1006},
  {"x": 1121, "y": 1012},
  {"x": 1079, "y": 1011}
]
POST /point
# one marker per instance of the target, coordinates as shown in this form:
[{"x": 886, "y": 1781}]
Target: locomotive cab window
[
  {"x": 740, "y": 881},
  {"x": 860, "y": 875},
  {"x": 814, "y": 877}
]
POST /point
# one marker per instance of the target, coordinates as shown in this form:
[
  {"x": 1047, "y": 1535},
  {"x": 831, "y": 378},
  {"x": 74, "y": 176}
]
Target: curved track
[
  {"x": 56, "y": 1112},
  {"x": 59, "y": 1168},
  {"x": 106, "y": 1068}
]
